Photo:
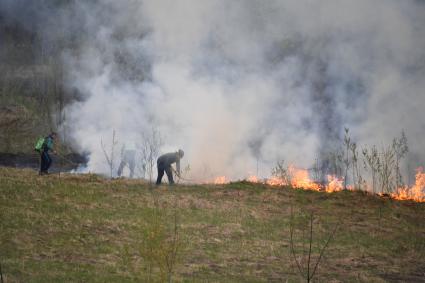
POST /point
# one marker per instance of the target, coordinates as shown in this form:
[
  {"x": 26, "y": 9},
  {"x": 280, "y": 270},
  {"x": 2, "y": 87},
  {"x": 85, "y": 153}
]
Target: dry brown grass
[{"x": 88, "y": 228}]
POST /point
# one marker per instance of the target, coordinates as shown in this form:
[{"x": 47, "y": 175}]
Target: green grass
[{"x": 83, "y": 228}]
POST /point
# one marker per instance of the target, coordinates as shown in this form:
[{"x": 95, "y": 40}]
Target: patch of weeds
[{"x": 161, "y": 244}]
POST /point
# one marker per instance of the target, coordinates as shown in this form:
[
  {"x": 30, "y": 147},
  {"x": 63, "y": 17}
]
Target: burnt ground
[{"x": 66, "y": 162}]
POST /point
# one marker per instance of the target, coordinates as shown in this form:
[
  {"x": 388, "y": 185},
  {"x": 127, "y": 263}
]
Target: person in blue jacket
[{"x": 46, "y": 160}]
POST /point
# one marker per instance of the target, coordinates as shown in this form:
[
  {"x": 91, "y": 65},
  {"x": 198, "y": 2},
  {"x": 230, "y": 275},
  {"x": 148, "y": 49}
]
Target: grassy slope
[{"x": 85, "y": 228}]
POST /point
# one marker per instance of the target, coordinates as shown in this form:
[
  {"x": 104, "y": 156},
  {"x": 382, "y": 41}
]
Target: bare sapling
[
  {"x": 347, "y": 160},
  {"x": 151, "y": 143},
  {"x": 335, "y": 162},
  {"x": 372, "y": 161},
  {"x": 357, "y": 177},
  {"x": 306, "y": 266},
  {"x": 110, "y": 157},
  {"x": 400, "y": 148},
  {"x": 386, "y": 172},
  {"x": 281, "y": 172}
]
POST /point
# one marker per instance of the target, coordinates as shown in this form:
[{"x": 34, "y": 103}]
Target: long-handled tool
[{"x": 181, "y": 178}]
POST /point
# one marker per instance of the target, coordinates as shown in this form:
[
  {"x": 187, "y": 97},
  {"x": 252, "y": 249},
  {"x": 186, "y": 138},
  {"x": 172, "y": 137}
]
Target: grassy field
[{"x": 83, "y": 228}]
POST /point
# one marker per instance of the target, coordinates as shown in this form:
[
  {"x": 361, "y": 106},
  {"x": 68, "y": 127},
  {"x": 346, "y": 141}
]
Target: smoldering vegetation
[{"x": 238, "y": 85}]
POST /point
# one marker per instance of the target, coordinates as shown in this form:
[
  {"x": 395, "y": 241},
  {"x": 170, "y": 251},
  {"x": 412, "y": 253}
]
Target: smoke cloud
[{"x": 238, "y": 84}]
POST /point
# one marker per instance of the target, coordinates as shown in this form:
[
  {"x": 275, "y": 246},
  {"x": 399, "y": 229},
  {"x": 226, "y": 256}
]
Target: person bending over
[{"x": 164, "y": 164}]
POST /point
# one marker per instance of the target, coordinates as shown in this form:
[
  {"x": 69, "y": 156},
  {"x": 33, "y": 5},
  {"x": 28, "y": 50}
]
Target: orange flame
[
  {"x": 335, "y": 184},
  {"x": 275, "y": 181},
  {"x": 220, "y": 180},
  {"x": 300, "y": 179},
  {"x": 416, "y": 192},
  {"x": 253, "y": 179}
]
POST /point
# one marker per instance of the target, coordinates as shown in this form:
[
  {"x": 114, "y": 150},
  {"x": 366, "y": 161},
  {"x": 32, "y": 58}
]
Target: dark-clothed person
[
  {"x": 164, "y": 164},
  {"x": 46, "y": 160}
]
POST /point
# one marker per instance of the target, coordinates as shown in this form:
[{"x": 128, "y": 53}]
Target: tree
[
  {"x": 150, "y": 146},
  {"x": 111, "y": 155}
]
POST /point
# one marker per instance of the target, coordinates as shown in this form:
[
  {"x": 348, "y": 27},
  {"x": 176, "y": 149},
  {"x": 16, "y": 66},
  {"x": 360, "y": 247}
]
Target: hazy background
[{"x": 234, "y": 83}]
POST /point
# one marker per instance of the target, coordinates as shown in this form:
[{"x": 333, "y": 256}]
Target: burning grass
[
  {"x": 300, "y": 179},
  {"x": 86, "y": 228},
  {"x": 341, "y": 170}
]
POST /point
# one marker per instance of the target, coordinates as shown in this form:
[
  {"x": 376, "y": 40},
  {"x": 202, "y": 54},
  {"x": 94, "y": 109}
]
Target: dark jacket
[{"x": 167, "y": 159}]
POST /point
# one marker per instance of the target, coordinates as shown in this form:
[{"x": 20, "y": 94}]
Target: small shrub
[{"x": 161, "y": 244}]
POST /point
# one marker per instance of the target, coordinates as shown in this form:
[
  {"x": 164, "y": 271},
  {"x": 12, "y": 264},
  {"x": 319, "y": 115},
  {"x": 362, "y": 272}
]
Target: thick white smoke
[
  {"x": 210, "y": 87},
  {"x": 233, "y": 82},
  {"x": 236, "y": 82}
]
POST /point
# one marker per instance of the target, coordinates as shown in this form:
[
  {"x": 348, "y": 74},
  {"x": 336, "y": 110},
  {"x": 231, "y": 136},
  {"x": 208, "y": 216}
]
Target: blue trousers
[{"x": 45, "y": 163}]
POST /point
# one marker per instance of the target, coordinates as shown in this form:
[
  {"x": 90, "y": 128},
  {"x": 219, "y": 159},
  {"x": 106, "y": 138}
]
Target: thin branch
[
  {"x": 292, "y": 243},
  {"x": 309, "y": 250},
  {"x": 104, "y": 152},
  {"x": 110, "y": 158},
  {"x": 324, "y": 248}
]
